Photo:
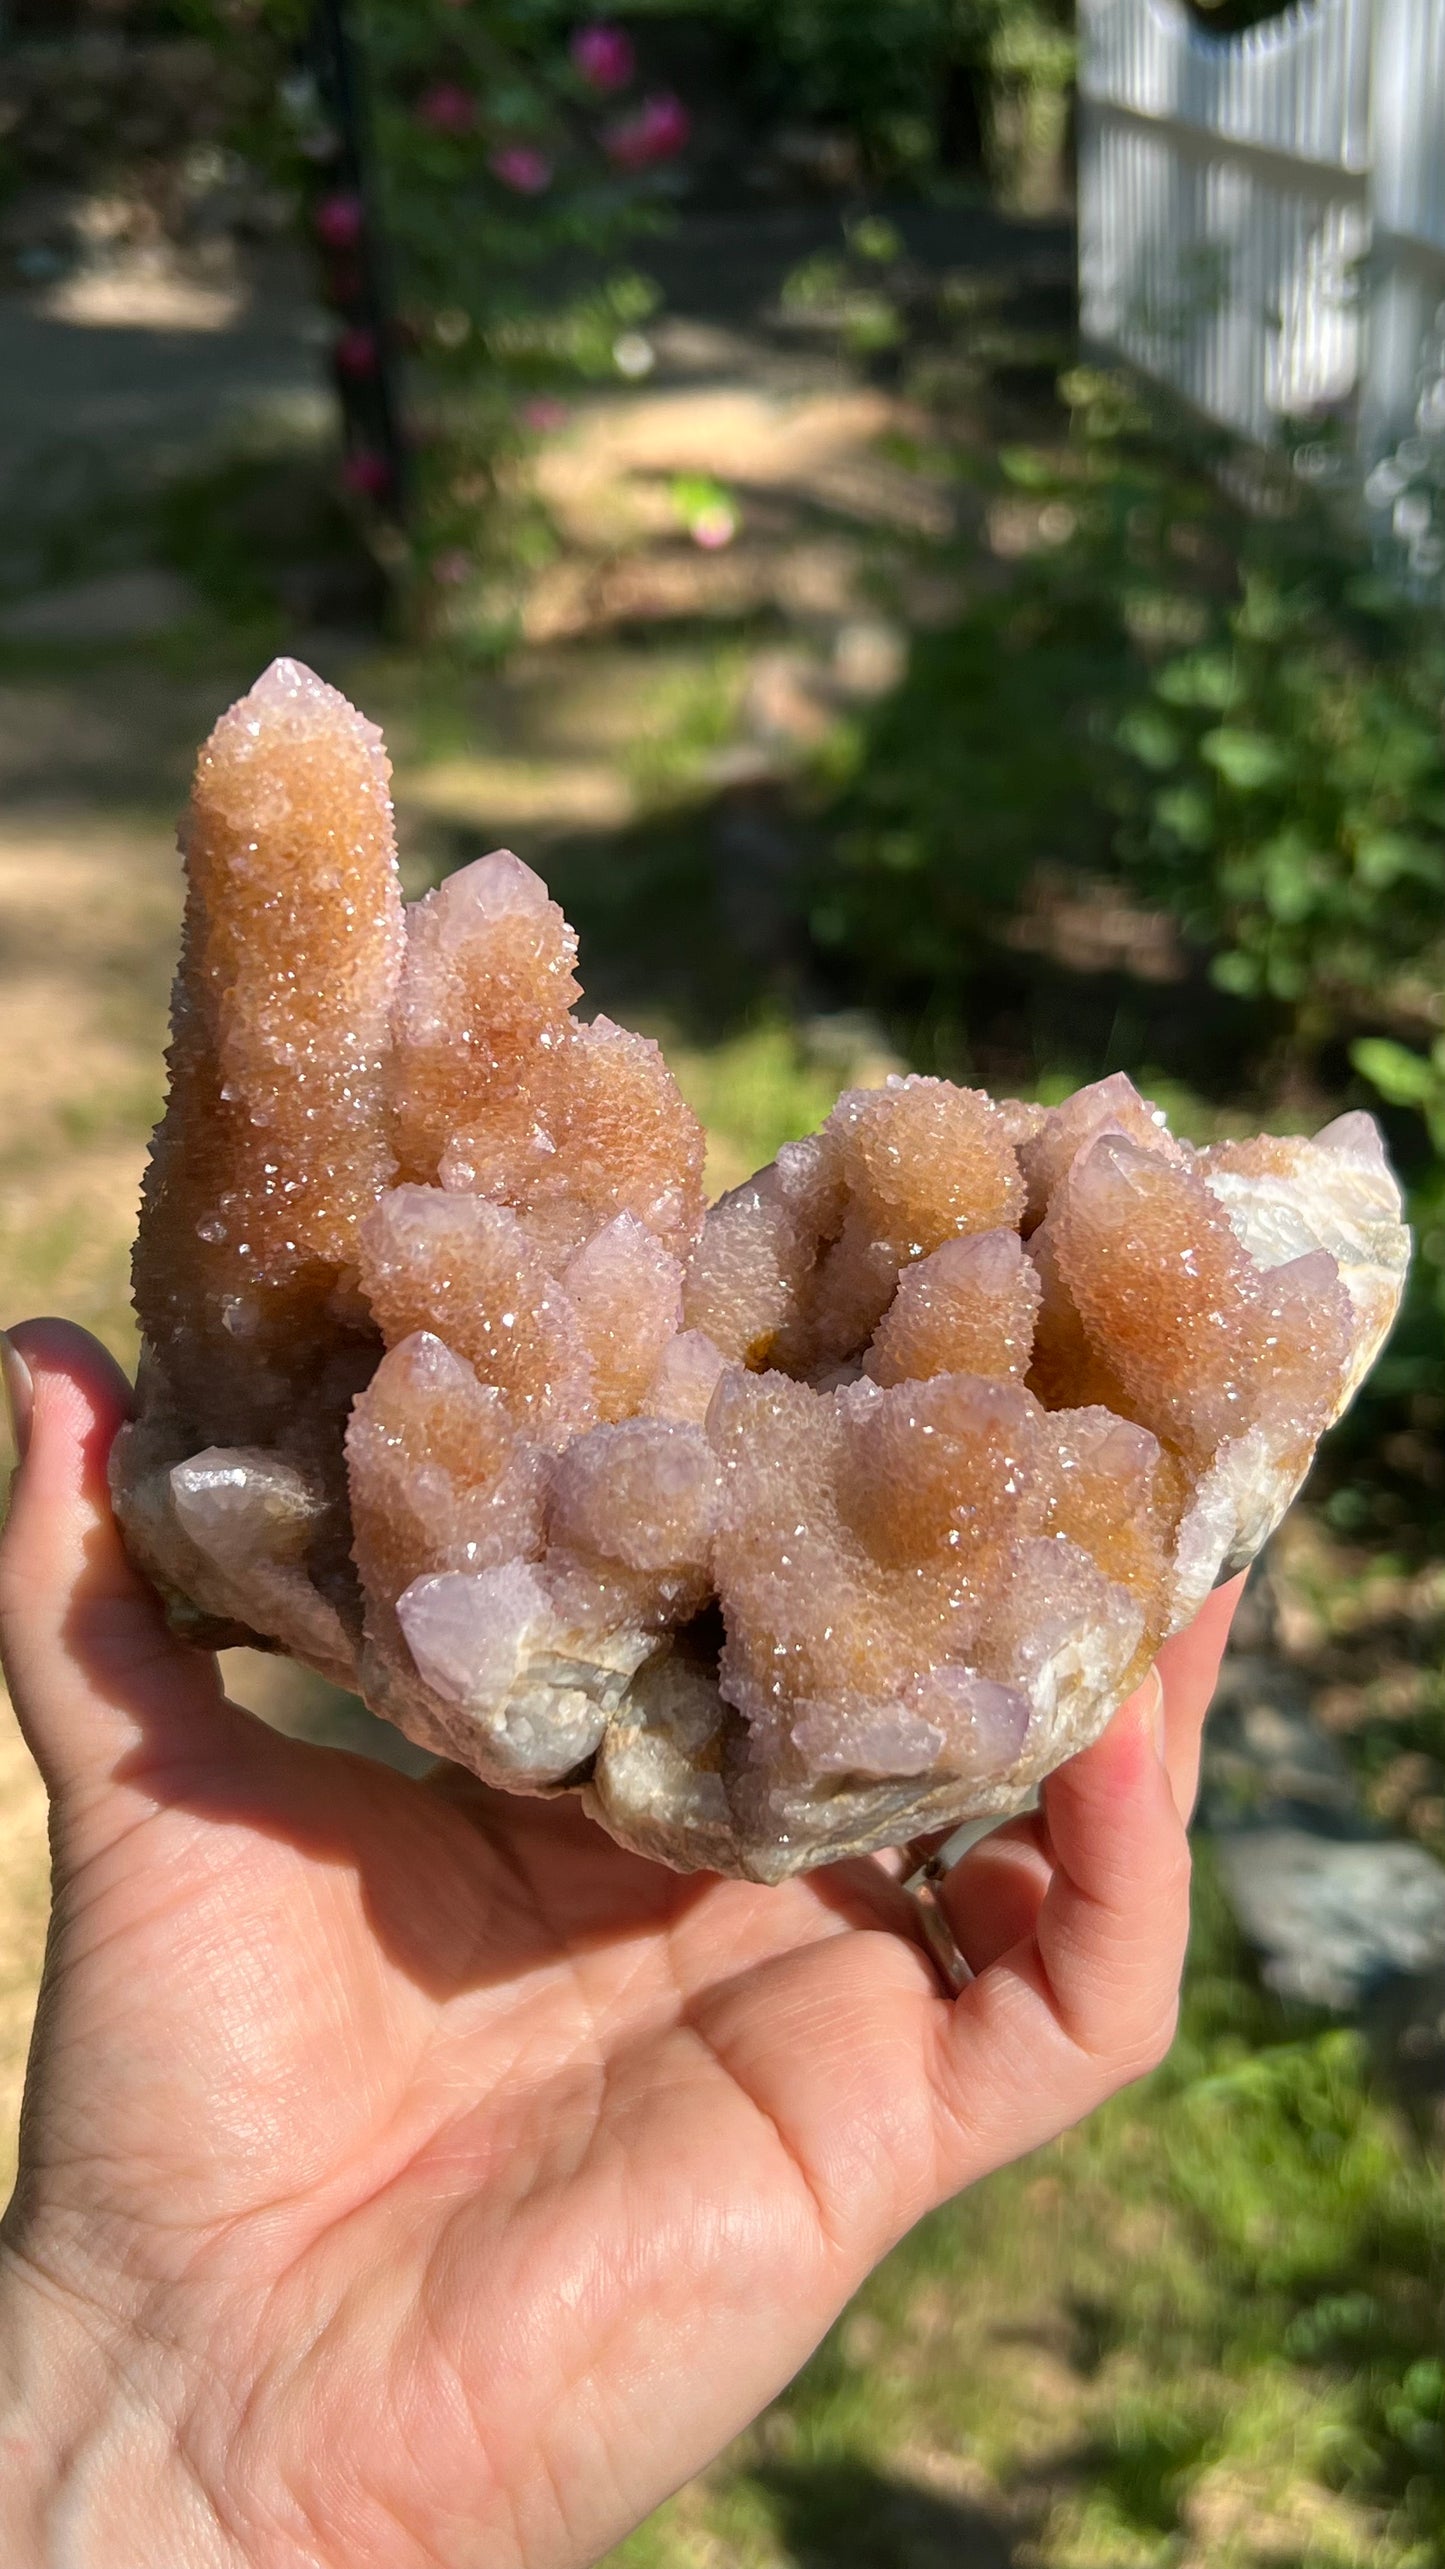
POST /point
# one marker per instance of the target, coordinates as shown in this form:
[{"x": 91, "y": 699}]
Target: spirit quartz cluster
[{"x": 783, "y": 1530}]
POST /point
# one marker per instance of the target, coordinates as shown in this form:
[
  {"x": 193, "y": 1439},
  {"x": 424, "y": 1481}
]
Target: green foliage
[
  {"x": 876, "y": 71},
  {"x": 1404, "y": 1078},
  {"x": 1304, "y": 832},
  {"x": 884, "y": 74},
  {"x": 754, "y": 1091},
  {"x": 1215, "y": 704},
  {"x": 853, "y": 292}
]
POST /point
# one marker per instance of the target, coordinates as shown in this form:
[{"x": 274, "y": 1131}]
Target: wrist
[{"x": 91, "y": 2470}]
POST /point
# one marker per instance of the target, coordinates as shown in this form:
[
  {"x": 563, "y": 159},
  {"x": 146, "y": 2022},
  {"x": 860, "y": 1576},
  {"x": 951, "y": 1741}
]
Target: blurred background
[{"x": 922, "y": 519}]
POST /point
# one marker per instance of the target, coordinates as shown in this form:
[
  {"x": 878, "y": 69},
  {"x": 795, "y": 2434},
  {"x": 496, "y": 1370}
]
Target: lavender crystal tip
[{"x": 780, "y": 1530}]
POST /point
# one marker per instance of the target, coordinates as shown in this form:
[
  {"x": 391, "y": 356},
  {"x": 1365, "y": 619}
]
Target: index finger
[{"x": 1087, "y": 1999}]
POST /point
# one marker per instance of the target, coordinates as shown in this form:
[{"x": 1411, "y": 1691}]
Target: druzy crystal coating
[{"x": 781, "y": 1530}]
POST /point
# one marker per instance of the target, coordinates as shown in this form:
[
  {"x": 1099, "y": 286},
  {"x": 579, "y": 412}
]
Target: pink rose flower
[
  {"x": 525, "y": 171},
  {"x": 447, "y": 108},
  {"x": 366, "y": 474},
  {"x": 356, "y": 352},
  {"x": 340, "y": 221},
  {"x": 605, "y": 56},
  {"x": 658, "y": 131}
]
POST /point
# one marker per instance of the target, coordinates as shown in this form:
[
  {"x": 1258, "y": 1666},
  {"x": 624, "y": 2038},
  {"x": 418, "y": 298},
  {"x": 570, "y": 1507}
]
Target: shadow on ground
[{"x": 845, "y": 2515}]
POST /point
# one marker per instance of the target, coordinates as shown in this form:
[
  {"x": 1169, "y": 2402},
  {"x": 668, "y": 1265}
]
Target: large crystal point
[
  {"x": 275, "y": 1140},
  {"x": 780, "y": 1532}
]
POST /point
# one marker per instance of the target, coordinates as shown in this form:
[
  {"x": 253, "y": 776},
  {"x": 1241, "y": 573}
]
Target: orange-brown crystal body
[
  {"x": 1202, "y": 1345},
  {"x": 498, "y": 1091},
  {"x": 797, "y": 1268},
  {"x": 969, "y": 1308},
  {"x": 440, "y": 1478},
  {"x": 464, "y": 1270},
  {"x": 274, "y": 1142}
]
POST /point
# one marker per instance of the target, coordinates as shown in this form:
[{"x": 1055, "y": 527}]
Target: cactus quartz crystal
[{"x": 780, "y": 1531}]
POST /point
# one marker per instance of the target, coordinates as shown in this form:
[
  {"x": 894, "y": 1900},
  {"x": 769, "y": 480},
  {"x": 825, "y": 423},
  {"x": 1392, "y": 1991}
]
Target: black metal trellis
[{"x": 347, "y": 224}]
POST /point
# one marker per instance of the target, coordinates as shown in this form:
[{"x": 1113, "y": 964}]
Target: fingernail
[{"x": 19, "y": 1394}]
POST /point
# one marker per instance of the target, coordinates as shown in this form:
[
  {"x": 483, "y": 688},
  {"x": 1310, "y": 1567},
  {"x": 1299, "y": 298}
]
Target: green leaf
[
  {"x": 1204, "y": 678},
  {"x": 1187, "y": 813},
  {"x": 1028, "y": 468},
  {"x": 1150, "y": 736},
  {"x": 1403, "y": 1078},
  {"x": 1239, "y": 974},
  {"x": 1383, "y": 857},
  {"x": 1424, "y": 2385},
  {"x": 1247, "y": 760},
  {"x": 1263, "y": 615},
  {"x": 1286, "y": 976},
  {"x": 873, "y": 238},
  {"x": 1372, "y": 594},
  {"x": 816, "y": 282},
  {"x": 1291, "y": 872},
  {"x": 871, "y": 323}
]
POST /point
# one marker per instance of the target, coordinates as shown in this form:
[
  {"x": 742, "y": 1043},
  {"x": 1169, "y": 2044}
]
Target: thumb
[{"x": 96, "y": 1676}]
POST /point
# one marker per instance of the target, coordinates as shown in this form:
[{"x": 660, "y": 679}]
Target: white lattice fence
[{"x": 1262, "y": 222}]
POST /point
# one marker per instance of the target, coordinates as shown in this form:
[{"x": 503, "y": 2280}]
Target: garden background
[{"x": 725, "y": 518}]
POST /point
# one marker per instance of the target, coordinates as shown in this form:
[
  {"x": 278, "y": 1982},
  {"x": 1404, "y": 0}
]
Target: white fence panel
[
  {"x": 1298, "y": 85},
  {"x": 1408, "y": 163},
  {"x": 1262, "y": 227},
  {"x": 1218, "y": 276}
]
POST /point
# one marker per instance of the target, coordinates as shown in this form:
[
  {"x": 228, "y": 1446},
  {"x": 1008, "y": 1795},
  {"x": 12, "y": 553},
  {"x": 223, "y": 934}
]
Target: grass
[{"x": 753, "y": 1091}]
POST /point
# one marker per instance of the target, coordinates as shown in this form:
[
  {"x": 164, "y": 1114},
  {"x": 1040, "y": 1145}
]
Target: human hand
[{"x": 410, "y": 2178}]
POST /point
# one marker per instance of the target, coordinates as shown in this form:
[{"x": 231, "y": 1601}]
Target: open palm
[{"x": 409, "y": 2176}]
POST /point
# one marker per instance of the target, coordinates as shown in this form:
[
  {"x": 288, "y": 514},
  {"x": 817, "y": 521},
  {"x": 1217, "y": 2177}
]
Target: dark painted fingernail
[{"x": 19, "y": 1385}]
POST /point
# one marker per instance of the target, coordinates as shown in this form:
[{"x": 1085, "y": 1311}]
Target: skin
[{"x": 408, "y": 2175}]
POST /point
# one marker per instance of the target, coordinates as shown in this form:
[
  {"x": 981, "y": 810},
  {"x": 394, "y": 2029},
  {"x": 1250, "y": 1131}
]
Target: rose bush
[{"x": 476, "y": 259}]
